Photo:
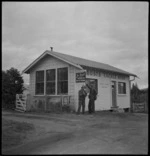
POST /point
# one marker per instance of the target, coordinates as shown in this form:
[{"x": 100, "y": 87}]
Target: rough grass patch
[{"x": 13, "y": 133}]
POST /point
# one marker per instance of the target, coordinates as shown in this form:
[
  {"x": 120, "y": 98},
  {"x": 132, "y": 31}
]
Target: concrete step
[
  {"x": 20, "y": 110},
  {"x": 116, "y": 109}
]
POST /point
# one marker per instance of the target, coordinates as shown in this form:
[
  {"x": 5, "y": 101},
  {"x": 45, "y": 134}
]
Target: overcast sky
[{"x": 115, "y": 33}]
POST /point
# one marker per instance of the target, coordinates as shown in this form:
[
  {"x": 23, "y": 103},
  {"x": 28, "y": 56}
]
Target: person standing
[
  {"x": 92, "y": 98},
  {"x": 82, "y": 95}
]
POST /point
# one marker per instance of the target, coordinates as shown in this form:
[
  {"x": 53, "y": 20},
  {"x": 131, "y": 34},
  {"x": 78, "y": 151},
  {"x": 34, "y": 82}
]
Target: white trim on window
[
  {"x": 121, "y": 94},
  {"x": 35, "y": 82}
]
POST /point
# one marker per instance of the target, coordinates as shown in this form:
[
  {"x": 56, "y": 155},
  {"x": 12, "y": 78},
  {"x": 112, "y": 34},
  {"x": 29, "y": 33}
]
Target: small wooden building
[{"x": 56, "y": 78}]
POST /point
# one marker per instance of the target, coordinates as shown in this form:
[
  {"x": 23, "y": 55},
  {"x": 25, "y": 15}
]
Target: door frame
[
  {"x": 94, "y": 80},
  {"x": 114, "y": 104}
]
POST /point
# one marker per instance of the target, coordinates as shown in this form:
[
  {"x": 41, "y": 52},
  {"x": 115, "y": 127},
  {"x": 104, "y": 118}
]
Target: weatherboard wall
[
  {"x": 104, "y": 98},
  {"x": 48, "y": 62}
]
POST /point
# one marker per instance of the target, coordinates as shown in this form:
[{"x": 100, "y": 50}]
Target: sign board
[
  {"x": 80, "y": 77},
  {"x": 65, "y": 100},
  {"x": 138, "y": 107}
]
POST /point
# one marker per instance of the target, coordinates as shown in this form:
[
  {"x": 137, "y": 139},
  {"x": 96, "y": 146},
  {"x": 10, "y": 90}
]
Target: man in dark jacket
[
  {"x": 82, "y": 95},
  {"x": 92, "y": 98}
]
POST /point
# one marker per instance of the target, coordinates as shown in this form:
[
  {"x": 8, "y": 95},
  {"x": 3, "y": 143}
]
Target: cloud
[
  {"x": 115, "y": 33},
  {"x": 17, "y": 56}
]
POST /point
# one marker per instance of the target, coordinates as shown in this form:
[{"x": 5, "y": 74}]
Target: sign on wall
[
  {"x": 80, "y": 77},
  {"x": 98, "y": 73},
  {"x": 65, "y": 100}
]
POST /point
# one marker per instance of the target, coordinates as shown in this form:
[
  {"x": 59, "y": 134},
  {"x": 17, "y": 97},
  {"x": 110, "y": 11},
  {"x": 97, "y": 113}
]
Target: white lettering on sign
[
  {"x": 114, "y": 76},
  {"x": 94, "y": 72},
  {"x": 139, "y": 107},
  {"x": 80, "y": 77},
  {"x": 104, "y": 85},
  {"x": 65, "y": 100},
  {"x": 121, "y": 77},
  {"x": 110, "y": 75}
]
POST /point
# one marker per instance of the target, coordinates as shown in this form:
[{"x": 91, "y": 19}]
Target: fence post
[{"x": 145, "y": 107}]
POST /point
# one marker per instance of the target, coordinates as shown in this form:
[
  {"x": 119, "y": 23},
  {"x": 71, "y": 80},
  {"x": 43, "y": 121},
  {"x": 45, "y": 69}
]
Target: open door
[
  {"x": 92, "y": 82},
  {"x": 114, "y": 101}
]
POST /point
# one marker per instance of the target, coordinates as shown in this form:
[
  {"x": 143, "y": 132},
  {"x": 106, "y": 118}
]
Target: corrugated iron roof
[
  {"x": 89, "y": 63},
  {"x": 78, "y": 62}
]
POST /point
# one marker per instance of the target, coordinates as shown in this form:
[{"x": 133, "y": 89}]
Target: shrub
[{"x": 12, "y": 84}]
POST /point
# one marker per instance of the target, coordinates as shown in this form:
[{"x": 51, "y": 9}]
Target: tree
[
  {"x": 12, "y": 84},
  {"x": 135, "y": 93}
]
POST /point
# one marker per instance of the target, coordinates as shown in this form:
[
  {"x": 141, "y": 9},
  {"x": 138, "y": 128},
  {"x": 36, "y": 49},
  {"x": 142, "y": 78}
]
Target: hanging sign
[{"x": 80, "y": 77}]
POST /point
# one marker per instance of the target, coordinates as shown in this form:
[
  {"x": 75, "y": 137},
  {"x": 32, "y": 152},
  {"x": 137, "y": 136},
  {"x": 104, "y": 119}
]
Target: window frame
[
  {"x": 39, "y": 82},
  {"x": 124, "y": 89},
  {"x": 51, "y": 81},
  {"x": 58, "y": 81}
]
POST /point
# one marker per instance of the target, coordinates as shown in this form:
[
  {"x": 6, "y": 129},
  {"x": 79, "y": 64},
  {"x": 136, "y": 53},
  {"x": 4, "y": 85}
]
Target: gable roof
[{"x": 78, "y": 62}]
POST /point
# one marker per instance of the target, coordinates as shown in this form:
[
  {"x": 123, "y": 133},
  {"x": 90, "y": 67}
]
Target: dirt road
[{"x": 102, "y": 133}]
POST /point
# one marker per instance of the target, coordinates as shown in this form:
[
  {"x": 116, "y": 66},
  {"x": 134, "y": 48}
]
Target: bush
[
  {"x": 12, "y": 84},
  {"x": 66, "y": 108}
]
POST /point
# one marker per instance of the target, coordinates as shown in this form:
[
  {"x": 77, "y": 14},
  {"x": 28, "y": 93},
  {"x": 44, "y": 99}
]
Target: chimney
[{"x": 51, "y": 48}]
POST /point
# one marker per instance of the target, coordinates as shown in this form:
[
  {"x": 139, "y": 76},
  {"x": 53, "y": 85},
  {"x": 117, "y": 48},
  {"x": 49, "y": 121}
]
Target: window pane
[
  {"x": 63, "y": 87},
  {"x": 50, "y": 75},
  {"x": 39, "y": 82},
  {"x": 119, "y": 88},
  {"x": 50, "y": 81},
  {"x": 62, "y": 80},
  {"x": 122, "y": 88},
  {"x": 39, "y": 76},
  {"x": 63, "y": 74},
  {"x": 50, "y": 88},
  {"x": 39, "y": 88}
]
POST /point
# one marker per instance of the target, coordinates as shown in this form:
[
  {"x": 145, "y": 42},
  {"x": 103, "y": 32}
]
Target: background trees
[
  {"x": 139, "y": 95},
  {"x": 12, "y": 84},
  {"x": 135, "y": 92}
]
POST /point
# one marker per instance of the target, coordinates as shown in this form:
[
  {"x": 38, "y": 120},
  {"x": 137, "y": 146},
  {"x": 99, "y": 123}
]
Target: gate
[{"x": 21, "y": 102}]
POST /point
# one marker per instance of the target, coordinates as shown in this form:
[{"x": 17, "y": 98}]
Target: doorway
[
  {"x": 114, "y": 101},
  {"x": 92, "y": 82}
]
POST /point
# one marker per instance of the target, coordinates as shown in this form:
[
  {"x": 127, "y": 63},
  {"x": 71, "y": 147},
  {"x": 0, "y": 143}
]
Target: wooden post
[{"x": 131, "y": 105}]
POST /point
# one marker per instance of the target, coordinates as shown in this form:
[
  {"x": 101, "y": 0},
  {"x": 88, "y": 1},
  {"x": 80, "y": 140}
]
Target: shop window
[
  {"x": 39, "y": 88},
  {"x": 62, "y": 75},
  {"x": 121, "y": 88},
  {"x": 50, "y": 81}
]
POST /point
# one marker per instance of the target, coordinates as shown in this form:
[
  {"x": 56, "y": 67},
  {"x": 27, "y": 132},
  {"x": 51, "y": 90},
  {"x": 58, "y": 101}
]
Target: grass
[{"x": 13, "y": 133}]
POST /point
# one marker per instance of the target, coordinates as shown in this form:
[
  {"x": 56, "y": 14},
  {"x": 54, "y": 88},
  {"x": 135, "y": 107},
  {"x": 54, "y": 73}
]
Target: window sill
[
  {"x": 121, "y": 94},
  {"x": 54, "y": 95},
  {"x": 57, "y": 95},
  {"x": 39, "y": 95}
]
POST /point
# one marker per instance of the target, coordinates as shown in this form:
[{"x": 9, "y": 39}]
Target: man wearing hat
[
  {"x": 82, "y": 95},
  {"x": 92, "y": 98}
]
